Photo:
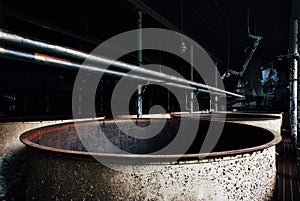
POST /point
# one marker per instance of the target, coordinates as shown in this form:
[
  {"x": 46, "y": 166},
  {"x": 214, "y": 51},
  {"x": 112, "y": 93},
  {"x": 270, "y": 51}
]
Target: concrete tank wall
[
  {"x": 12, "y": 155},
  {"x": 250, "y": 176},
  {"x": 58, "y": 174},
  {"x": 12, "y": 158}
]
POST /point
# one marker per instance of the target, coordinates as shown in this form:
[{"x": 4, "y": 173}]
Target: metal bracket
[{"x": 243, "y": 69}]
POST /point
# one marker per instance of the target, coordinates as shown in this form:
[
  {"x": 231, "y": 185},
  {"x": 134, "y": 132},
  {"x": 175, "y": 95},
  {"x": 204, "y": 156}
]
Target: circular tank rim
[
  {"x": 255, "y": 116},
  {"x": 24, "y": 139}
]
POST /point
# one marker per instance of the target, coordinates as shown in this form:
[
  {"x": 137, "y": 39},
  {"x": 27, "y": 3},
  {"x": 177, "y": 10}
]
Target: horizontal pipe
[
  {"x": 48, "y": 26},
  {"x": 54, "y": 61},
  {"x": 29, "y": 43}
]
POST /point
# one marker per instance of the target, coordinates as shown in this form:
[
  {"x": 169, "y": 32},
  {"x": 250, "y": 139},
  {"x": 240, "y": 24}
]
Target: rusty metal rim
[
  {"x": 269, "y": 113},
  {"x": 255, "y": 116},
  {"x": 250, "y": 113},
  {"x": 24, "y": 139}
]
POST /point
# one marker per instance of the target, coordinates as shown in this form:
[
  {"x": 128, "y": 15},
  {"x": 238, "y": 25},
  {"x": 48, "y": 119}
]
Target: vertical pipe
[
  {"x": 140, "y": 101},
  {"x": 169, "y": 109},
  {"x": 140, "y": 37},
  {"x": 298, "y": 136},
  {"x": 101, "y": 96},
  {"x": 293, "y": 82},
  {"x": 140, "y": 61},
  {"x": 192, "y": 78},
  {"x": 216, "y": 85}
]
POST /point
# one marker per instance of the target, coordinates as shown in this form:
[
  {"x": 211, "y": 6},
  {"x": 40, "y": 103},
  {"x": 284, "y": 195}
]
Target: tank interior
[{"x": 65, "y": 137}]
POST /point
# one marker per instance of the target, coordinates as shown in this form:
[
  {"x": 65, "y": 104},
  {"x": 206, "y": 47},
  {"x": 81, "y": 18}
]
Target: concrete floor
[{"x": 287, "y": 179}]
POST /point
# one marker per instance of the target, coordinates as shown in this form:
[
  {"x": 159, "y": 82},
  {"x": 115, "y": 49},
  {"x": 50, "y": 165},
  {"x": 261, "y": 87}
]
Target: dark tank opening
[{"x": 65, "y": 137}]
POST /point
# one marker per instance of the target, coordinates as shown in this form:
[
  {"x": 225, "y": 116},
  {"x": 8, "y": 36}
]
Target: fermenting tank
[{"x": 60, "y": 166}]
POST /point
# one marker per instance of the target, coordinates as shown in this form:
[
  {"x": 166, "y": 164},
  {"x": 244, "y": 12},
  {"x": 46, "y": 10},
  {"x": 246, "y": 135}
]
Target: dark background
[{"x": 221, "y": 27}]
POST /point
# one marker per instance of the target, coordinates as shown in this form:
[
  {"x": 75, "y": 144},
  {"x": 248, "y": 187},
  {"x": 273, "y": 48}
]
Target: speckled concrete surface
[
  {"x": 11, "y": 131},
  {"x": 12, "y": 157},
  {"x": 244, "y": 168},
  {"x": 241, "y": 177}
]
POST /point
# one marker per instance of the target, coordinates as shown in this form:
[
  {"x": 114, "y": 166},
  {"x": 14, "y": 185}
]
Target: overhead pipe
[
  {"x": 51, "y": 27},
  {"x": 58, "y": 62},
  {"x": 29, "y": 43}
]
